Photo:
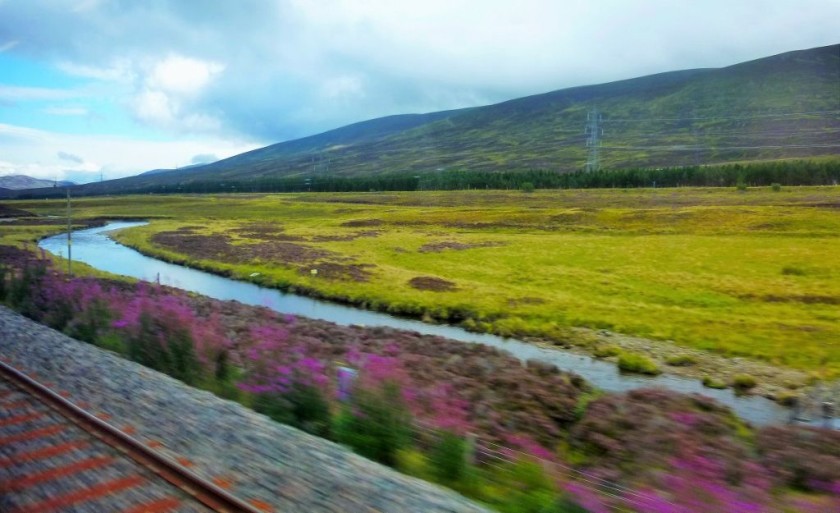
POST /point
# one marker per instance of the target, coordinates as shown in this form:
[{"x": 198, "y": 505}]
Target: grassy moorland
[
  {"x": 737, "y": 273},
  {"x": 539, "y": 435}
]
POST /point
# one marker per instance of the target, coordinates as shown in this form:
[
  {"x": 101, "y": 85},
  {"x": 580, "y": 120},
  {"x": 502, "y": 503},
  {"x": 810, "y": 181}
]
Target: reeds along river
[{"x": 94, "y": 247}]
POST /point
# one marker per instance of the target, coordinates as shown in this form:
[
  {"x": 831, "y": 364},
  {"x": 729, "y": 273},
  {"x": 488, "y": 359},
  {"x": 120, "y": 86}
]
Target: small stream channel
[{"x": 94, "y": 247}]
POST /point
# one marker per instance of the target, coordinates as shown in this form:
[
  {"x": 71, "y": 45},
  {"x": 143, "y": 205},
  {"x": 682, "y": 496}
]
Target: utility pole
[
  {"x": 695, "y": 135},
  {"x": 69, "y": 237},
  {"x": 593, "y": 142}
]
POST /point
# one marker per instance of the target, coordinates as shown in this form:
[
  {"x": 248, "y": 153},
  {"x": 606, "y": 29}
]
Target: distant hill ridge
[
  {"x": 784, "y": 106},
  {"x": 17, "y": 182}
]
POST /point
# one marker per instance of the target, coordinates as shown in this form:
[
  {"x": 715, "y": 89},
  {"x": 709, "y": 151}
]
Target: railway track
[{"x": 57, "y": 457}]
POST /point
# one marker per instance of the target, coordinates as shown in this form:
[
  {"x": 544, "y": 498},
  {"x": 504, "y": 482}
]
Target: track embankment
[{"x": 274, "y": 467}]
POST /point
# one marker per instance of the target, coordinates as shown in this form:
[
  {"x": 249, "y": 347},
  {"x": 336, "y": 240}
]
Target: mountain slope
[
  {"x": 17, "y": 182},
  {"x": 782, "y": 106}
]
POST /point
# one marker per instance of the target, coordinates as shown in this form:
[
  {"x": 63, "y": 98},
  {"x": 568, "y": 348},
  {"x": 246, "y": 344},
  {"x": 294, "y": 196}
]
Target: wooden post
[
  {"x": 828, "y": 413},
  {"x": 795, "y": 409},
  {"x": 69, "y": 237}
]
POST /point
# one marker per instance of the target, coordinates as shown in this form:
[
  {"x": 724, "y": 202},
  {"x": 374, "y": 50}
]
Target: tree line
[
  {"x": 799, "y": 172},
  {"x": 727, "y": 175}
]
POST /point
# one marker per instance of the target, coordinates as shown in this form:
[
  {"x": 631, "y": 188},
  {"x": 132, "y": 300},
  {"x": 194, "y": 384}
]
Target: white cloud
[
  {"x": 8, "y": 45},
  {"x": 273, "y": 70},
  {"x": 39, "y": 153},
  {"x": 63, "y": 155},
  {"x": 162, "y": 110},
  {"x": 533, "y": 45},
  {"x": 182, "y": 75},
  {"x": 167, "y": 91},
  {"x": 66, "y": 110},
  {"x": 120, "y": 70},
  {"x": 343, "y": 87},
  {"x": 18, "y": 93},
  {"x": 204, "y": 158},
  {"x": 20, "y": 133},
  {"x": 86, "y": 5},
  {"x": 154, "y": 107},
  {"x": 45, "y": 171}
]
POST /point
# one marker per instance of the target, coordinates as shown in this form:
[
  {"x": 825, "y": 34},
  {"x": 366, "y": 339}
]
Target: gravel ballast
[
  {"x": 218, "y": 439},
  {"x": 63, "y": 461}
]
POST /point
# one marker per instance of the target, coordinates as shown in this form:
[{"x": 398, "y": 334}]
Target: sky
[{"x": 93, "y": 89}]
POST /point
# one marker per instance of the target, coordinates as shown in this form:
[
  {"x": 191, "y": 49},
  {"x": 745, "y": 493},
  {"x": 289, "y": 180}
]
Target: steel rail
[{"x": 193, "y": 485}]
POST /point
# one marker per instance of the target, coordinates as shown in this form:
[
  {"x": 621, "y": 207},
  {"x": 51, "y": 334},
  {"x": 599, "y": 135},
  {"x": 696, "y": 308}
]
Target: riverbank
[
  {"x": 780, "y": 384},
  {"x": 94, "y": 247},
  {"x": 733, "y": 273},
  {"x": 777, "y": 383}
]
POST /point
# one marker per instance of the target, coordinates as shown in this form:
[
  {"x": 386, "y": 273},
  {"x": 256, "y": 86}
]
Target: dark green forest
[
  {"x": 788, "y": 173},
  {"x": 730, "y": 175}
]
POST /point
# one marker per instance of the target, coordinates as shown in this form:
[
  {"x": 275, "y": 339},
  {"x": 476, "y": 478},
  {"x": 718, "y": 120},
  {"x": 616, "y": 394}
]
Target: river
[{"x": 94, "y": 247}]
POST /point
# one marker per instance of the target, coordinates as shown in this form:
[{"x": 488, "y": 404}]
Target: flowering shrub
[
  {"x": 588, "y": 500},
  {"x": 161, "y": 340},
  {"x": 287, "y": 386},
  {"x": 700, "y": 484},
  {"x": 299, "y": 405},
  {"x": 630, "y": 435},
  {"x": 679, "y": 453},
  {"x": 449, "y": 458},
  {"x": 802, "y": 457},
  {"x": 527, "y": 488},
  {"x": 376, "y": 423}
]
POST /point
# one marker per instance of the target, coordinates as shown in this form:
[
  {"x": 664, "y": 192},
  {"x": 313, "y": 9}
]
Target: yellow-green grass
[
  {"x": 751, "y": 274},
  {"x": 12, "y": 235},
  {"x": 26, "y": 236}
]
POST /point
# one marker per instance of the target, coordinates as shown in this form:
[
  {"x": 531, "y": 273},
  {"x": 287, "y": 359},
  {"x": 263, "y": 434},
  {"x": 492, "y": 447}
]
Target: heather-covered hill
[{"x": 780, "y": 107}]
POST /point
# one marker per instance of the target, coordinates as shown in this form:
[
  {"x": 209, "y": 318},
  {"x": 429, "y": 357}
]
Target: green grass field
[{"x": 751, "y": 274}]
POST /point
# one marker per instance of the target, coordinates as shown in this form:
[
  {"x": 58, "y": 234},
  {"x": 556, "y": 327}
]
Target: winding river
[{"x": 94, "y": 247}]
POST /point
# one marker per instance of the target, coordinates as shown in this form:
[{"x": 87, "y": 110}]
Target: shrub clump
[
  {"x": 710, "y": 382},
  {"x": 793, "y": 270},
  {"x": 803, "y": 457},
  {"x": 638, "y": 363},
  {"x": 681, "y": 360},
  {"x": 376, "y": 424},
  {"x": 449, "y": 458},
  {"x": 787, "y": 398},
  {"x": 300, "y": 405},
  {"x": 432, "y": 283},
  {"x": 524, "y": 487},
  {"x": 606, "y": 351},
  {"x": 743, "y": 382},
  {"x": 644, "y": 429}
]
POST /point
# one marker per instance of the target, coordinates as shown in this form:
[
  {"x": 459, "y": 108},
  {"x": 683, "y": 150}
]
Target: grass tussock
[{"x": 638, "y": 363}]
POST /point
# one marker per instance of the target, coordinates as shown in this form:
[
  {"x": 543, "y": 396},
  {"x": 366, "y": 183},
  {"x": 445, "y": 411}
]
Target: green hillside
[{"x": 777, "y": 107}]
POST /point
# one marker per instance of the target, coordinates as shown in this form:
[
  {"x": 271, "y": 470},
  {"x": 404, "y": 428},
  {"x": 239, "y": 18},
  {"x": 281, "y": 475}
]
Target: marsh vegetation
[{"x": 739, "y": 274}]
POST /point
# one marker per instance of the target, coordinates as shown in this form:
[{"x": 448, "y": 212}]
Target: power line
[
  {"x": 593, "y": 142},
  {"x": 693, "y": 148},
  {"x": 756, "y": 116},
  {"x": 768, "y": 132}
]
